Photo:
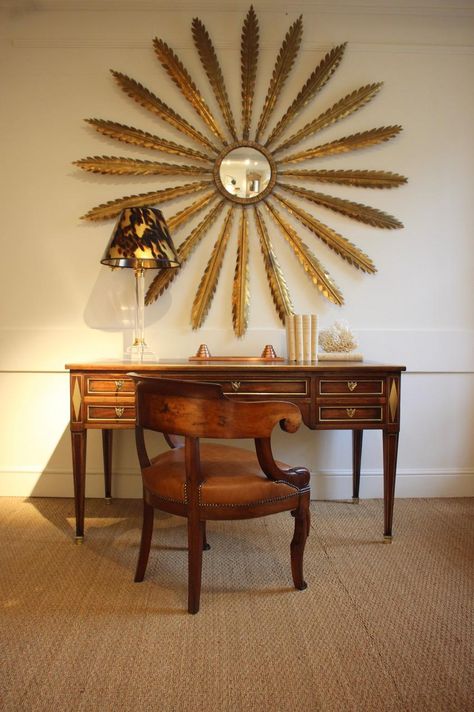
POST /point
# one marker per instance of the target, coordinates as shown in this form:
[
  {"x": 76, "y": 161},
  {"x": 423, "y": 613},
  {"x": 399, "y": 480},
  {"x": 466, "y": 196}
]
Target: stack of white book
[{"x": 302, "y": 332}]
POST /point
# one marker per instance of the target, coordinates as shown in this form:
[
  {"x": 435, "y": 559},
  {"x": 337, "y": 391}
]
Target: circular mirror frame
[{"x": 234, "y": 198}]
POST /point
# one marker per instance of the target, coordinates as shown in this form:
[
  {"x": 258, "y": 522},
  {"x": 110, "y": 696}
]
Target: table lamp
[{"x": 140, "y": 240}]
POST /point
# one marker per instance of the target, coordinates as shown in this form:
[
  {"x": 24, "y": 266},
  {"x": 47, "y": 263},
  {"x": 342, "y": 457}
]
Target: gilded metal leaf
[
  {"x": 208, "y": 284},
  {"x": 278, "y": 287},
  {"x": 181, "y": 77},
  {"x": 312, "y": 266},
  {"x": 117, "y": 165},
  {"x": 356, "y": 211},
  {"x": 113, "y": 207},
  {"x": 345, "y": 249},
  {"x": 361, "y": 179},
  {"x": 248, "y": 68},
  {"x": 190, "y": 211},
  {"x": 315, "y": 83},
  {"x": 284, "y": 62},
  {"x": 346, "y": 144},
  {"x": 213, "y": 71},
  {"x": 342, "y": 108},
  {"x": 164, "y": 278},
  {"x": 129, "y": 134},
  {"x": 152, "y": 103},
  {"x": 240, "y": 290}
]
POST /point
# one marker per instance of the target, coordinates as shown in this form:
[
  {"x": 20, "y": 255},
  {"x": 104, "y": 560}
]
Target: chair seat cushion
[{"x": 231, "y": 477}]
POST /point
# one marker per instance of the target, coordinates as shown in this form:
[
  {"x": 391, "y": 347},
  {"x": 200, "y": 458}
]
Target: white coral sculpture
[{"x": 337, "y": 338}]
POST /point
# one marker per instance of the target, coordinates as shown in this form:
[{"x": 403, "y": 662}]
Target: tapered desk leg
[
  {"x": 107, "y": 455},
  {"x": 390, "y": 449},
  {"x": 79, "y": 444},
  {"x": 357, "y": 436}
]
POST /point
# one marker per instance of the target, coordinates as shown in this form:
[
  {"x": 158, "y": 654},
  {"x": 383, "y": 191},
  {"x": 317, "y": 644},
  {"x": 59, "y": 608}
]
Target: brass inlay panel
[
  {"x": 76, "y": 399},
  {"x": 393, "y": 401}
]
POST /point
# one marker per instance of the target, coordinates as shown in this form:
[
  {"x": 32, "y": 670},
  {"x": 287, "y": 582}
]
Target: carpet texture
[{"x": 380, "y": 627}]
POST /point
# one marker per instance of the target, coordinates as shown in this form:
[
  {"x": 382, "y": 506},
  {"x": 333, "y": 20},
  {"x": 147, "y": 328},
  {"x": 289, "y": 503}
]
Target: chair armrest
[{"x": 297, "y": 476}]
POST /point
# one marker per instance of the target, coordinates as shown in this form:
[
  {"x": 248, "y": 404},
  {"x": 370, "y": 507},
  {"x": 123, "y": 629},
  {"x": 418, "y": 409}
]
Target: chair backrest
[{"x": 197, "y": 409}]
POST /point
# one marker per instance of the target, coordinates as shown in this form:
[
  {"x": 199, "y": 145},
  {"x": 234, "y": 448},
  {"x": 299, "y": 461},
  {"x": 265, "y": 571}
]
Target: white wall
[{"x": 59, "y": 305}]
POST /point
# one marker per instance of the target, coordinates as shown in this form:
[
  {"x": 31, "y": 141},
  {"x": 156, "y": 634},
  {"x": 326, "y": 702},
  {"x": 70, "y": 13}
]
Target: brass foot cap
[
  {"x": 355, "y": 500},
  {"x": 108, "y": 500},
  {"x": 387, "y": 538},
  {"x": 78, "y": 539}
]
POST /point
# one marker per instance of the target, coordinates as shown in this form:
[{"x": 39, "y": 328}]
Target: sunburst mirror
[{"x": 254, "y": 171}]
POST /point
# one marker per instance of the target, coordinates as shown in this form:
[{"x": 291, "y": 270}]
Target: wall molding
[
  {"x": 445, "y": 9},
  {"x": 330, "y": 484},
  {"x": 25, "y": 43}
]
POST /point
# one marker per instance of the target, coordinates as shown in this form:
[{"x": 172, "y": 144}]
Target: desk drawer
[
  {"x": 109, "y": 385},
  {"x": 111, "y": 413},
  {"x": 338, "y": 387},
  {"x": 290, "y": 387},
  {"x": 357, "y": 414}
]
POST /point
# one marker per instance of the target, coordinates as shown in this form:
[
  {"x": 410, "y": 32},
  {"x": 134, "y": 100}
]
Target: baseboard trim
[{"x": 330, "y": 484}]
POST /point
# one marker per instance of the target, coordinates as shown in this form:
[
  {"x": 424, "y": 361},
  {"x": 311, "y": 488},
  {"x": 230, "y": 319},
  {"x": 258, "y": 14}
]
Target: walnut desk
[{"x": 332, "y": 395}]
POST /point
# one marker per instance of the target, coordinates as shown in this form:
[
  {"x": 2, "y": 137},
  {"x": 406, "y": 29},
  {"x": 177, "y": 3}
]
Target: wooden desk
[{"x": 332, "y": 395}]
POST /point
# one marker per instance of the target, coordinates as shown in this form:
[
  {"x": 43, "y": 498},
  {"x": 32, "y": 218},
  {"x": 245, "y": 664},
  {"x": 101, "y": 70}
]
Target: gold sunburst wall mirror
[{"x": 256, "y": 183}]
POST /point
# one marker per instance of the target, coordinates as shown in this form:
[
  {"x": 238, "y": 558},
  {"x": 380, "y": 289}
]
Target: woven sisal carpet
[{"x": 380, "y": 627}]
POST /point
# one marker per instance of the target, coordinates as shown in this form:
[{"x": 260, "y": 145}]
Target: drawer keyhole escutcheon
[
  {"x": 235, "y": 385},
  {"x": 352, "y": 385},
  {"x": 119, "y": 385},
  {"x": 119, "y": 412},
  {"x": 350, "y": 412}
]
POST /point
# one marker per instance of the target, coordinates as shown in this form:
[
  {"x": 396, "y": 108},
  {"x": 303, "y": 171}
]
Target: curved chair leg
[
  {"x": 298, "y": 542},
  {"x": 147, "y": 530},
  {"x": 195, "y": 547}
]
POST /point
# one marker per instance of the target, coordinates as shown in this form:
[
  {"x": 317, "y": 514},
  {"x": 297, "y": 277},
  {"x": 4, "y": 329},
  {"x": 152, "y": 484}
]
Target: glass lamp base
[{"x": 139, "y": 351}]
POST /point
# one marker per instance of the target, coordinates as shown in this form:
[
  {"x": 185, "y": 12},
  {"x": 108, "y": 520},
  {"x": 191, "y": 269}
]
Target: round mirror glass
[{"x": 244, "y": 172}]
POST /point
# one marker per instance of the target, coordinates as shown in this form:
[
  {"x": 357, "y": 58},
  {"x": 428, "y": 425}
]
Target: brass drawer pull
[
  {"x": 350, "y": 412},
  {"x": 352, "y": 385},
  {"x": 235, "y": 385},
  {"x": 119, "y": 385},
  {"x": 119, "y": 412}
]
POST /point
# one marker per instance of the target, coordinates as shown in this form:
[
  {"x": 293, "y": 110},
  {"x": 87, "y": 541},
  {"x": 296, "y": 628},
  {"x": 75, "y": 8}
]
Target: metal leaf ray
[
  {"x": 360, "y": 179},
  {"x": 342, "y": 108},
  {"x": 264, "y": 158},
  {"x": 152, "y": 103},
  {"x": 284, "y": 62},
  {"x": 276, "y": 281},
  {"x": 356, "y": 211},
  {"x": 345, "y": 249},
  {"x": 240, "y": 289},
  {"x": 248, "y": 67},
  {"x": 311, "y": 265},
  {"x": 181, "y": 77},
  {"x": 213, "y": 71},
  {"x": 314, "y": 84},
  {"x": 136, "y": 137},
  {"x": 354, "y": 142},
  {"x": 208, "y": 284},
  {"x": 113, "y": 207},
  {"x": 117, "y": 165},
  {"x": 185, "y": 249}
]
